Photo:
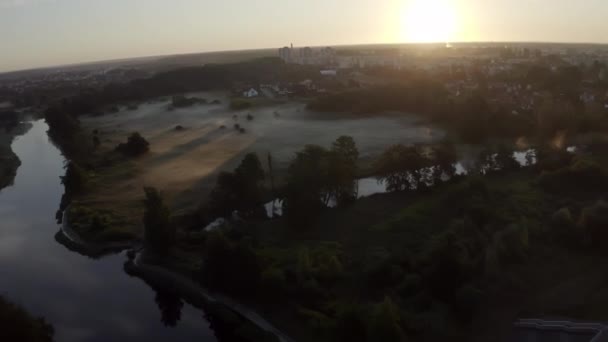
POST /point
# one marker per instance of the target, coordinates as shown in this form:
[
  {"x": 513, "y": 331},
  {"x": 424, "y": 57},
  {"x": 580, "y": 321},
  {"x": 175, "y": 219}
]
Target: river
[{"x": 84, "y": 299}]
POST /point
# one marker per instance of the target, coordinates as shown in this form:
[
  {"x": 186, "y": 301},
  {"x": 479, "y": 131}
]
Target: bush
[
  {"x": 386, "y": 322},
  {"x": 564, "y": 227},
  {"x": 350, "y": 325},
  {"x": 75, "y": 179},
  {"x": 594, "y": 222},
  {"x": 230, "y": 267},
  {"x": 273, "y": 281},
  {"x": 512, "y": 244},
  {"x": 467, "y": 301},
  {"x": 181, "y": 101},
  {"x": 136, "y": 145},
  {"x": 239, "y": 104}
]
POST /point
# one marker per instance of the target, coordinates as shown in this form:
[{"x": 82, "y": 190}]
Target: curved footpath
[
  {"x": 198, "y": 295},
  {"x": 162, "y": 277}
]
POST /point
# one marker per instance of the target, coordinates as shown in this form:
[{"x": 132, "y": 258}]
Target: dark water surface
[{"x": 84, "y": 299}]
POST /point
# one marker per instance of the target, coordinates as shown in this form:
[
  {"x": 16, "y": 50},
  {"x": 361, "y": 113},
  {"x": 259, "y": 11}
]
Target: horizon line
[{"x": 135, "y": 58}]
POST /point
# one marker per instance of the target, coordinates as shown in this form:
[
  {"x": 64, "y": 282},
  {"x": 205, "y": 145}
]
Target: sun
[{"x": 427, "y": 21}]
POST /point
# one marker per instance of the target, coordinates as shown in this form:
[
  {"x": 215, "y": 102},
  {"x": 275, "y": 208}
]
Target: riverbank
[
  {"x": 73, "y": 292},
  {"x": 193, "y": 293},
  {"x": 72, "y": 240},
  {"x": 184, "y": 163},
  {"x": 9, "y": 162}
]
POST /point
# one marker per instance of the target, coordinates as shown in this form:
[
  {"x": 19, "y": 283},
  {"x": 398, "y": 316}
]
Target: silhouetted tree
[
  {"x": 342, "y": 173},
  {"x": 170, "y": 306},
  {"x": 402, "y": 167},
  {"x": 75, "y": 179},
  {"x": 136, "y": 145},
  {"x": 159, "y": 236},
  {"x": 444, "y": 158},
  {"x": 386, "y": 322},
  {"x": 242, "y": 190},
  {"x": 351, "y": 325},
  {"x": 306, "y": 186}
]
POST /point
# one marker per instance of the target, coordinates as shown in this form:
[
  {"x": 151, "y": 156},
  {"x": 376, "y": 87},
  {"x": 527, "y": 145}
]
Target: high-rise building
[{"x": 285, "y": 54}]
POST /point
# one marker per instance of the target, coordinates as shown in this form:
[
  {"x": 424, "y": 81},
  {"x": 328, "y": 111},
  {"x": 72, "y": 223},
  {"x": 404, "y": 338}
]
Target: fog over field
[{"x": 183, "y": 160}]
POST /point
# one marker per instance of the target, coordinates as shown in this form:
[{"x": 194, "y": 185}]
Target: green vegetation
[
  {"x": 135, "y": 146},
  {"x": 427, "y": 261},
  {"x": 98, "y": 225},
  {"x": 75, "y": 179},
  {"x": 240, "y": 104},
  {"x": 18, "y": 325},
  {"x": 240, "y": 190},
  {"x": 474, "y": 116},
  {"x": 8, "y": 165},
  {"x": 391, "y": 267},
  {"x": 180, "y": 101},
  {"x": 159, "y": 235}
]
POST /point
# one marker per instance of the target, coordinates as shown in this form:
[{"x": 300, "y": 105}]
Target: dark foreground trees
[
  {"x": 17, "y": 325},
  {"x": 241, "y": 190},
  {"x": 159, "y": 235},
  {"x": 318, "y": 177}
]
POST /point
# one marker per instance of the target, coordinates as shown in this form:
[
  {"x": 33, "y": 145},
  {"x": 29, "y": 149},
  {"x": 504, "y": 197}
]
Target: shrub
[
  {"x": 350, "y": 324},
  {"x": 512, "y": 243},
  {"x": 75, "y": 179},
  {"x": 136, "y": 145},
  {"x": 467, "y": 301},
  {"x": 594, "y": 222},
  {"x": 273, "y": 281},
  {"x": 386, "y": 322},
  {"x": 564, "y": 227},
  {"x": 230, "y": 267},
  {"x": 239, "y": 104}
]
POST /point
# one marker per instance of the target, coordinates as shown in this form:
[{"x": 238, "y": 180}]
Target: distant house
[{"x": 251, "y": 93}]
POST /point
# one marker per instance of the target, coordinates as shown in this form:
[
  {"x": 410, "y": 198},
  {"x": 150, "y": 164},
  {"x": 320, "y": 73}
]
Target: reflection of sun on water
[{"x": 429, "y": 21}]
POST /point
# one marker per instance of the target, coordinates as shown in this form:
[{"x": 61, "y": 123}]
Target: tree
[
  {"x": 350, "y": 325},
  {"x": 240, "y": 190},
  {"x": 444, "y": 158},
  {"x": 230, "y": 267},
  {"x": 306, "y": 190},
  {"x": 403, "y": 167},
  {"x": 136, "y": 145},
  {"x": 594, "y": 221},
  {"x": 170, "y": 306},
  {"x": 386, "y": 322},
  {"x": 342, "y": 171},
  {"x": 75, "y": 178},
  {"x": 224, "y": 196},
  {"x": 250, "y": 175},
  {"x": 159, "y": 235},
  {"x": 19, "y": 325},
  {"x": 505, "y": 159}
]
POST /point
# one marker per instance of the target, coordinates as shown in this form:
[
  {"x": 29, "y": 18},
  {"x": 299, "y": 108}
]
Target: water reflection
[
  {"x": 84, "y": 299},
  {"x": 170, "y": 306}
]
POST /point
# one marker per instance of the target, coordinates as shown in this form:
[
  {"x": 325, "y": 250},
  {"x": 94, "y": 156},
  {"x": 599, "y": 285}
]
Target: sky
[{"x": 35, "y": 33}]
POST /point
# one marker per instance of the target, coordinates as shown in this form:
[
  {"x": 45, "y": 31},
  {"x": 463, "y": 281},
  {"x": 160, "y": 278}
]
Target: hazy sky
[{"x": 50, "y": 32}]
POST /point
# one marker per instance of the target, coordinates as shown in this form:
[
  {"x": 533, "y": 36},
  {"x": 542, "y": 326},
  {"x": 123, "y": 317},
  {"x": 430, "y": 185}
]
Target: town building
[{"x": 251, "y": 93}]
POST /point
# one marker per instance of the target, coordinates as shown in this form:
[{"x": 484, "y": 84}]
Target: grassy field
[{"x": 184, "y": 163}]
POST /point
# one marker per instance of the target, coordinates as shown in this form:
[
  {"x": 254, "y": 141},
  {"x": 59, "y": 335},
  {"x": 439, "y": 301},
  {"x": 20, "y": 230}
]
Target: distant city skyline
[{"x": 40, "y": 33}]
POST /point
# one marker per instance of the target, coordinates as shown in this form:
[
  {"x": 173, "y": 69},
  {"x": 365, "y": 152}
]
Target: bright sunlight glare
[{"x": 427, "y": 21}]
